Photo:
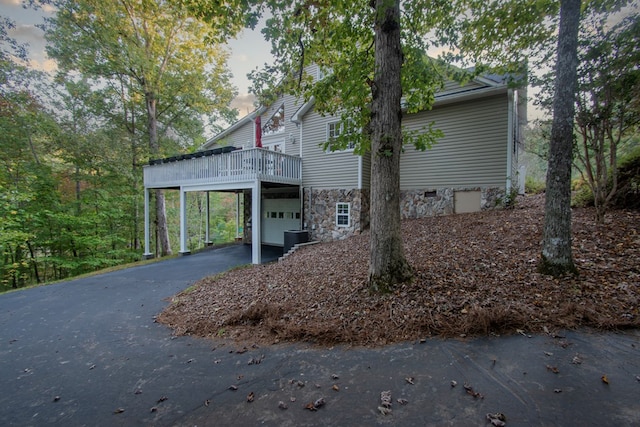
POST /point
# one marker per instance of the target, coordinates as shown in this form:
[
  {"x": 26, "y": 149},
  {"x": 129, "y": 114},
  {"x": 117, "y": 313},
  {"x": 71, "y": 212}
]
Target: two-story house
[{"x": 274, "y": 158}]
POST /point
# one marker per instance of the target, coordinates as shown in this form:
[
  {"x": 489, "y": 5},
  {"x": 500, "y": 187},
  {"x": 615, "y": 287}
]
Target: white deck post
[
  {"x": 256, "y": 220},
  {"x": 207, "y": 239},
  {"x": 147, "y": 254},
  {"x": 238, "y": 215},
  {"x": 183, "y": 223}
]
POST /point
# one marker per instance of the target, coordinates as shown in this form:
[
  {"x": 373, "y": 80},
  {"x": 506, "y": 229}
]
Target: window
[
  {"x": 275, "y": 124},
  {"x": 343, "y": 219},
  {"x": 334, "y": 130},
  {"x": 324, "y": 72}
]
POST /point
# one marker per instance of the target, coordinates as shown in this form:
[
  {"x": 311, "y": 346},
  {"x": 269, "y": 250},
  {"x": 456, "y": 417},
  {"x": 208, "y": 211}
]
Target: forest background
[{"x": 72, "y": 147}]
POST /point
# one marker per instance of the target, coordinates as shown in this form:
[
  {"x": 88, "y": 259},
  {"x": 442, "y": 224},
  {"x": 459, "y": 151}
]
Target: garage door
[{"x": 278, "y": 216}]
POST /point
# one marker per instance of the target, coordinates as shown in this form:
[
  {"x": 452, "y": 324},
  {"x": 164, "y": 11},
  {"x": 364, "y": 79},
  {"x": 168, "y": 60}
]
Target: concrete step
[{"x": 295, "y": 247}]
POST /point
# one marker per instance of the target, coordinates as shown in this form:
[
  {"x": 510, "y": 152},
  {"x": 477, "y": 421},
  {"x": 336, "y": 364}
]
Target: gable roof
[
  {"x": 237, "y": 125},
  {"x": 453, "y": 91}
]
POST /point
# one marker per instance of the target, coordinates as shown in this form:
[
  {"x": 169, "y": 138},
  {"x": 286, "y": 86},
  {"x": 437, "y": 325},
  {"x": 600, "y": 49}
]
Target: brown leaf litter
[{"x": 475, "y": 274}]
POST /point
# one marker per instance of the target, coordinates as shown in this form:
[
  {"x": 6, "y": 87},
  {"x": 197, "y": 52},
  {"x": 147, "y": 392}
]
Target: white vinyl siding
[{"x": 473, "y": 152}]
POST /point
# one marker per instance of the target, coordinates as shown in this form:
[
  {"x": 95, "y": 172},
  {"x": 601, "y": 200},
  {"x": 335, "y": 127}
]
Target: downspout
[
  {"x": 302, "y": 224},
  {"x": 309, "y": 222},
  {"x": 510, "y": 141},
  {"x": 298, "y": 122}
]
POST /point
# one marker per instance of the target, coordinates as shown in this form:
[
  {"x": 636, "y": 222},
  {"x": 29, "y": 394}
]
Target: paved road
[{"x": 87, "y": 352}]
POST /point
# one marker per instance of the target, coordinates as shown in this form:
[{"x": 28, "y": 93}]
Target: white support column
[
  {"x": 207, "y": 238},
  {"x": 238, "y": 216},
  {"x": 183, "y": 223},
  {"x": 256, "y": 222},
  {"x": 147, "y": 241}
]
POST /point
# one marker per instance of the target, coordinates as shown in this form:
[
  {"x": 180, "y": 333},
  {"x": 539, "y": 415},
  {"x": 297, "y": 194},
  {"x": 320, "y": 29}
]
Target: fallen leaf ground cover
[{"x": 475, "y": 274}]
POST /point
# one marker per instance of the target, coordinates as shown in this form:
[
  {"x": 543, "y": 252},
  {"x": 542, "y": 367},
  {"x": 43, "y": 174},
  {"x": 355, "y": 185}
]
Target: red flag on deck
[{"x": 258, "y": 132}]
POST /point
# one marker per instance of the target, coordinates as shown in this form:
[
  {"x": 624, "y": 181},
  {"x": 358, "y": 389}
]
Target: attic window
[{"x": 275, "y": 124}]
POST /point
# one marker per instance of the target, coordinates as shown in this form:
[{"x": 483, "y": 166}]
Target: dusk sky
[{"x": 249, "y": 51}]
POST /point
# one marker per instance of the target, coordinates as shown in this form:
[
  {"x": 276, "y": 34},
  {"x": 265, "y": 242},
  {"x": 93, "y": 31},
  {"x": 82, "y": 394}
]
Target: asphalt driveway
[{"x": 87, "y": 352}]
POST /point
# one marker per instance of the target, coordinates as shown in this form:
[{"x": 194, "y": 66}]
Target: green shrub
[
  {"x": 582, "y": 197},
  {"x": 533, "y": 186},
  {"x": 628, "y": 194}
]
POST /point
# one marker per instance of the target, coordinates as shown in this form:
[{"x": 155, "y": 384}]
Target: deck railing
[{"x": 235, "y": 166}]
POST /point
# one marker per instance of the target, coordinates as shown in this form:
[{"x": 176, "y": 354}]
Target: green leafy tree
[
  {"x": 373, "y": 54},
  {"x": 25, "y": 179},
  {"x": 155, "y": 51},
  {"x": 608, "y": 110},
  {"x": 531, "y": 33}
]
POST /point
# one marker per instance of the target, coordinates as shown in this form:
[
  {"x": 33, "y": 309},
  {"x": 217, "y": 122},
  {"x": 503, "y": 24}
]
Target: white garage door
[{"x": 278, "y": 216}]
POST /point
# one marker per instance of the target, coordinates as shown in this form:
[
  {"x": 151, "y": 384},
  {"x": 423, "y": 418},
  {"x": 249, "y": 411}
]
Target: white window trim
[
  {"x": 269, "y": 145},
  {"x": 322, "y": 72},
  {"x": 348, "y": 214},
  {"x": 281, "y": 130},
  {"x": 335, "y": 122}
]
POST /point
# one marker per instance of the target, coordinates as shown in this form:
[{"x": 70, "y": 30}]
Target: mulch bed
[{"x": 475, "y": 274}]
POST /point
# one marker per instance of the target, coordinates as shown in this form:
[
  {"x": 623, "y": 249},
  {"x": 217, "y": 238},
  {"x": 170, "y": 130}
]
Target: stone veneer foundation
[
  {"x": 320, "y": 213},
  {"x": 428, "y": 202},
  {"x": 319, "y": 208}
]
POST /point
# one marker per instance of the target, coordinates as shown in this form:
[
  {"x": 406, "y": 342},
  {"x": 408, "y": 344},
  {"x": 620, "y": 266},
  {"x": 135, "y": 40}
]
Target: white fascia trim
[
  {"x": 469, "y": 94},
  {"x": 297, "y": 116},
  {"x": 243, "y": 121},
  {"x": 486, "y": 81}
]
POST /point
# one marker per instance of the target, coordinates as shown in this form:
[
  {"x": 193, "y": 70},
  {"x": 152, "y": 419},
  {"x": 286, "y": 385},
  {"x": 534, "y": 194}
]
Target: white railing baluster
[{"x": 239, "y": 165}]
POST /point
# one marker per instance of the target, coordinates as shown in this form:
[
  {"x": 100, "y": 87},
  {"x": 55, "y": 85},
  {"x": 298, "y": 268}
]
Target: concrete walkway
[{"x": 87, "y": 352}]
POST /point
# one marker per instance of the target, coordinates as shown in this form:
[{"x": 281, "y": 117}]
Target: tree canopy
[
  {"x": 158, "y": 55},
  {"x": 72, "y": 145}
]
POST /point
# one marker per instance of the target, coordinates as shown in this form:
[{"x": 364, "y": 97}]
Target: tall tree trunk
[
  {"x": 34, "y": 261},
  {"x": 557, "y": 258},
  {"x": 154, "y": 149},
  {"x": 387, "y": 264}
]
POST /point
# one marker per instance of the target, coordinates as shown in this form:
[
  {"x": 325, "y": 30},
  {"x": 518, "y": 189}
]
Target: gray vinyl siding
[
  {"x": 473, "y": 152},
  {"x": 451, "y": 86},
  {"x": 366, "y": 170},
  {"x": 242, "y": 137},
  {"x": 325, "y": 170}
]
